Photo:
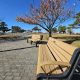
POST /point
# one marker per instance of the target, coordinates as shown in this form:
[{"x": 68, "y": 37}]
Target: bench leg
[
  {"x": 43, "y": 79},
  {"x": 27, "y": 40},
  {"x": 36, "y": 44},
  {"x": 31, "y": 42}
]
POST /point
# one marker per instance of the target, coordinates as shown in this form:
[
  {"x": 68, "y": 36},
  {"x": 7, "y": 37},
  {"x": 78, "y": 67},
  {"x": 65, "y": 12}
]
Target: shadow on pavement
[{"x": 17, "y": 49}]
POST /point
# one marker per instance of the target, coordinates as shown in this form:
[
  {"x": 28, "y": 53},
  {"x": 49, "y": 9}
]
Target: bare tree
[{"x": 50, "y": 13}]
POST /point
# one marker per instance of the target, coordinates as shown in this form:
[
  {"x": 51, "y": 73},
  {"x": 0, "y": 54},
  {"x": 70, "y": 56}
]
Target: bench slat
[
  {"x": 59, "y": 52},
  {"x": 52, "y": 67},
  {"x": 68, "y": 48},
  {"x": 54, "y": 53},
  {"x": 41, "y": 59},
  {"x": 46, "y": 58}
]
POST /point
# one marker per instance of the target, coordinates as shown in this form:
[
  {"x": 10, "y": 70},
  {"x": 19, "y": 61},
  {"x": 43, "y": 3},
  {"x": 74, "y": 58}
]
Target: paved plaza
[{"x": 18, "y": 60}]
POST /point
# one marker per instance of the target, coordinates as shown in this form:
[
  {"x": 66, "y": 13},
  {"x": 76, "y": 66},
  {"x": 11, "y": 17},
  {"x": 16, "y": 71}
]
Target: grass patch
[
  {"x": 76, "y": 43},
  {"x": 61, "y": 36},
  {"x": 64, "y": 37}
]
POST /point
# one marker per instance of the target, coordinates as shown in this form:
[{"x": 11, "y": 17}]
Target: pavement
[{"x": 18, "y": 60}]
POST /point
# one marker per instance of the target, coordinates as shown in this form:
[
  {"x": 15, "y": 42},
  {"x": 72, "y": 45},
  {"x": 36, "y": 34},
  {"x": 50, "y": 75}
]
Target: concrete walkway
[{"x": 18, "y": 61}]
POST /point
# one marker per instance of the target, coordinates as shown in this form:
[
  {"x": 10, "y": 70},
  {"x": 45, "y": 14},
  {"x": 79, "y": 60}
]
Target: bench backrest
[
  {"x": 62, "y": 51},
  {"x": 65, "y": 52},
  {"x": 36, "y": 36}
]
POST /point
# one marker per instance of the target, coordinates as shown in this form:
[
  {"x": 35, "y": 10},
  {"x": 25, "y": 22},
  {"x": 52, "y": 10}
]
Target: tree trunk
[
  {"x": 70, "y": 33},
  {"x": 4, "y": 31},
  {"x": 50, "y": 34}
]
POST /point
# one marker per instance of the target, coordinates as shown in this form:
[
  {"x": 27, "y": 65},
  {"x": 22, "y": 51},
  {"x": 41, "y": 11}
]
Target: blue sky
[{"x": 9, "y": 9}]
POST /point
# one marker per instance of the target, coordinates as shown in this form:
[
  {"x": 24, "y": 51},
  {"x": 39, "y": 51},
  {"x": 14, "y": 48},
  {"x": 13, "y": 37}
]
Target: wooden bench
[
  {"x": 57, "y": 60},
  {"x": 36, "y": 38}
]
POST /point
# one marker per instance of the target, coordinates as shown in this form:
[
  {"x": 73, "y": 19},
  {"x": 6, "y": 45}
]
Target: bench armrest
[{"x": 56, "y": 63}]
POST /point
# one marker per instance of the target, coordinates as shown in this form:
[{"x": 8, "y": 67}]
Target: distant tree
[
  {"x": 62, "y": 29},
  {"x": 16, "y": 29},
  {"x": 76, "y": 23},
  {"x": 3, "y": 24},
  {"x": 36, "y": 29},
  {"x": 3, "y": 27},
  {"x": 48, "y": 13},
  {"x": 22, "y": 30},
  {"x": 55, "y": 30},
  {"x": 69, "y": 30}
]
